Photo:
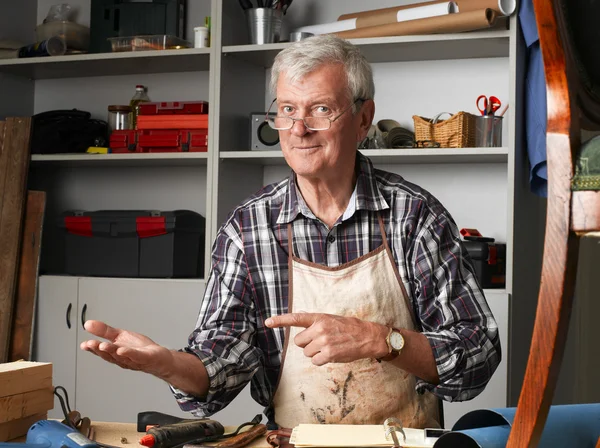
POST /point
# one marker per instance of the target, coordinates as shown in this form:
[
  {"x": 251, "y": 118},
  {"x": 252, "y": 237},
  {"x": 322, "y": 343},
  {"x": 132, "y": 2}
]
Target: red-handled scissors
[{"x": 489, "y": 105}]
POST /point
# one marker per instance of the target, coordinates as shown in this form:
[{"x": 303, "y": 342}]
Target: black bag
[{"x": 66, "y": 131}]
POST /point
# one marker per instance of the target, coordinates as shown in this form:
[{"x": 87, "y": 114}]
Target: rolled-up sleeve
[
  {"x": 224, "y": 338},
  {"x": 454, "y": 314}
]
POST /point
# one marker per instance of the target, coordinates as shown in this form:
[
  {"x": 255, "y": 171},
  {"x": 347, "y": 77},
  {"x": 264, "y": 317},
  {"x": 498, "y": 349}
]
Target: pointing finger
[{"x": 293, "y": 320}]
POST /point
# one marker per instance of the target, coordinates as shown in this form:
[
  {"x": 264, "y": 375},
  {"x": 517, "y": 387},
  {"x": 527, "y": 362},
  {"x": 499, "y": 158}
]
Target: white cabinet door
[
  {"x": 164, "y": 310},
  {"x": 494, "y": 395},
  {"x": 55, "y": 334}
]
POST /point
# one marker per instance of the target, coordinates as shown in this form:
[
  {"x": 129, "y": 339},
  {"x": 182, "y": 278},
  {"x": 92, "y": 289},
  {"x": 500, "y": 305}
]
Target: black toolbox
[
  {"x": 134, "y": 243},
  {"x": 489, "y": 261}
]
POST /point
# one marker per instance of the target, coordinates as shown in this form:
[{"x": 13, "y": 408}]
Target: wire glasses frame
[{"x": 311, "y": 123}]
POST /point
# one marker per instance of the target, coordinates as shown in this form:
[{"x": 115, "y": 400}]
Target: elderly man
[{"x": 342, "y": 293}]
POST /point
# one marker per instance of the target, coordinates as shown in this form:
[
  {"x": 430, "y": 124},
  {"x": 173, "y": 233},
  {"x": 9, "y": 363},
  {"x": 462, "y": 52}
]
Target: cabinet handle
[
  {"x": 83, "y": 311},
  {"x": 68, "y": 316}
]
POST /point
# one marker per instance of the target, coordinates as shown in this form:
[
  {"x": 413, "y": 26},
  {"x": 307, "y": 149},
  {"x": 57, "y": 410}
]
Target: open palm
[{"x": 127, "y": 349}]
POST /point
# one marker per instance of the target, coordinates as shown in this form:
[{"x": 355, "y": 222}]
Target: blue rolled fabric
[
  {"x": 568, "y": 426},
  {"x": 535, "y": 101}
]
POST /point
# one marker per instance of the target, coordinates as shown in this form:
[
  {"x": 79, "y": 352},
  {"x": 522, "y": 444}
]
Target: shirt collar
[{"x": 366, "y": 195}]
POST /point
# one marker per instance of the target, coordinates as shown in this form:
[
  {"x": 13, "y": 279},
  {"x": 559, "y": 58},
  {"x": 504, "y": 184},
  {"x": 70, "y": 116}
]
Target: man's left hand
[{"x": 330, "y": 338}]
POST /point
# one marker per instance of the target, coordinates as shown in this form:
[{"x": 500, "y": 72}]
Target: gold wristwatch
[{"x": 395, "y": 343}]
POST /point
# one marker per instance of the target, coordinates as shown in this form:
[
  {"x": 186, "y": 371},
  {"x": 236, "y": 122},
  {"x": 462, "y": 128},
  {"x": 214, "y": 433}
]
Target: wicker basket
[{"x": 458, "y": 131}]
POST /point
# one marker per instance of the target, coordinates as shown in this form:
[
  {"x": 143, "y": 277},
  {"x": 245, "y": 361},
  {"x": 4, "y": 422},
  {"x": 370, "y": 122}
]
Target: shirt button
[{"x": 331, "y": 238}]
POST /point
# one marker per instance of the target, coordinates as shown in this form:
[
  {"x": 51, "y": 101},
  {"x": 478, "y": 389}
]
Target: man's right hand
[{"x": 128, "y": 350}]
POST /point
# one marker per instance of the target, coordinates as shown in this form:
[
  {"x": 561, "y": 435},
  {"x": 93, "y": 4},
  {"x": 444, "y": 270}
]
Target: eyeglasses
[{"x": 311, "y": 123}]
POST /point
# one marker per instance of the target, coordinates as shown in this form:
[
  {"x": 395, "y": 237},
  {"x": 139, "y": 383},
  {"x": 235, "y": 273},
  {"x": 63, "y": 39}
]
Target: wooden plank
[
  {"x": 24, "y": 376},
  {"x": 23, "y": 405},
  {"x": 14, "y": 163},
  {"x": 27, "y": 281},
  {"x": 17, "y": 428}
]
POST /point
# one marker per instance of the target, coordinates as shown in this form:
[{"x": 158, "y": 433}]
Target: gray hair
[{"x": 301, "y": 58}]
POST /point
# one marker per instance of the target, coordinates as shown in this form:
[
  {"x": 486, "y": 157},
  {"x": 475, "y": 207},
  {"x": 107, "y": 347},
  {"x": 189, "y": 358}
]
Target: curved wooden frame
[{"x": 569, "y": 215}]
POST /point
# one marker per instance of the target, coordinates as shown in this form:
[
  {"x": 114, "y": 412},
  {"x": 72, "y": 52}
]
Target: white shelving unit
[
  {"x": 485, "y": 188},
  {"x": 390, "y": 156},
  {"x": 150, "y": 159},
  {"x": 108, "y": 64}
]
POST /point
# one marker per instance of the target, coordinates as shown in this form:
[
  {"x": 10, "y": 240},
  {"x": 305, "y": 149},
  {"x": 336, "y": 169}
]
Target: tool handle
[
  {"x": 190, "y": 431},
  {"x": 152, "y": 418},
  {"x": 243, "y": 438}
]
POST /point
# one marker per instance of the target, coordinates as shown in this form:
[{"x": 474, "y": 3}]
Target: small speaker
[{"x": 262, "y": 136}]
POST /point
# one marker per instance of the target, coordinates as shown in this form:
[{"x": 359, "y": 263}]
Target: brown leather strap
[
  {"x": 243, "y": 438},
  {"x": 280, "y": 438}
]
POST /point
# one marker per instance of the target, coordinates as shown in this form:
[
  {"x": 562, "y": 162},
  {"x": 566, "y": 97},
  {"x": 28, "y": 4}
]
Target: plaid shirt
[{"x": 249, "y": 282}]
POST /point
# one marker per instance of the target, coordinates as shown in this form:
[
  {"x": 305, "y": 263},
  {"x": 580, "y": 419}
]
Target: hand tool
[
  {"x": 178, "y": 434},
  {"x": 52, "y": 434},
  {"x": 489, "y": 106},
  {"x": 154, "y": 418}
]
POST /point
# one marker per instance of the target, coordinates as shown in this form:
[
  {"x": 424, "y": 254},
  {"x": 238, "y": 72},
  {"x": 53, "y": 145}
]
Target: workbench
[{"x": 112, "y": 433}]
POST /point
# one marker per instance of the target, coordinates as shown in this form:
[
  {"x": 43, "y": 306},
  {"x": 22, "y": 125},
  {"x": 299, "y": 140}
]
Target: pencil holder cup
[
  {"x": 264, "y": 25},
  {"x": 488, "y": 131}
]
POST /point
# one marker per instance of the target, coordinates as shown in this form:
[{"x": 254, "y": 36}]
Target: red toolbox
[
  {"x": 172, "y": 121},
  {"x": 123, "y": 141},
  {"x": 174, "y": 108},
  {"x": 176, "y": 140}
]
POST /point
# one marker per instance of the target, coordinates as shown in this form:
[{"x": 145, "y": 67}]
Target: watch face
[{"x": 396, "y": 341}]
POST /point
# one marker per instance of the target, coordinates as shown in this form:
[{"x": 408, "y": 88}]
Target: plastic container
[
  {"x": 119, "y": 118},
  {"x": 489, "y": 261},
  {"x": 174, "y": 108},
  {"x": 76, "y": 36},
  {"x": 200, "y": 37},
  {"x": 134, "y": 243},
  {"x": 172, "y": 121},
  {"x": 144, "y": 43}
]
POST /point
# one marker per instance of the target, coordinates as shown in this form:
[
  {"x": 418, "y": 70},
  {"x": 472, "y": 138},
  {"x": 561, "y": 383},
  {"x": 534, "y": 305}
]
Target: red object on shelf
[
  {"x": 470, "y": 232},
  {"x": 149, "y": 226},
  {"x": 173, "y": 108},
  {"x": 172, "y": 122},
  {"x": 176, "y": 140},
  {"x": 79, "y": 225},
  {"x": 123, "y": 141}
]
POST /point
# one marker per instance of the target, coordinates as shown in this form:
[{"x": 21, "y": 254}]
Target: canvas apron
[{"x": 360, "y": 392}]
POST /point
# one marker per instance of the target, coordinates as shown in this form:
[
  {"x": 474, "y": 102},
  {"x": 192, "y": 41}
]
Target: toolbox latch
[
  {"x": 149, "y": 226},
  {"x": 79, "y": 225}
]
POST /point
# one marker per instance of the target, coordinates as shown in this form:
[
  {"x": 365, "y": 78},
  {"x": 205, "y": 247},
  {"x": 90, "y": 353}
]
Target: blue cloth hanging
[{"x": 535, "y": 101}]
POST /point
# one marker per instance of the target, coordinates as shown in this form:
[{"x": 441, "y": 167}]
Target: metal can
[{"x": 55, "y": 46}]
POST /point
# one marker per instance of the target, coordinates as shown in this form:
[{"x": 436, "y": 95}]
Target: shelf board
[
  {"x": 145, "y": 159},
  {"x": 476, "y": 44},
  {"x": 389, "y": 156},
  {"x": 146, "y": 279},
  {"x": 489, "y": 291},
  {"x": 108, "y": 64}
]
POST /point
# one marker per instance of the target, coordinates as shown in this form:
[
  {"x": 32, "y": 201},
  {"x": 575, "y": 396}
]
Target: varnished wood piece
[
  {"x": 27, "y": 280},
  {"x": 14, "y": 165}
]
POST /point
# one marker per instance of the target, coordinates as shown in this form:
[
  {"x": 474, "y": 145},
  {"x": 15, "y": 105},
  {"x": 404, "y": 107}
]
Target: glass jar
[{"x": 119, "y": 118}]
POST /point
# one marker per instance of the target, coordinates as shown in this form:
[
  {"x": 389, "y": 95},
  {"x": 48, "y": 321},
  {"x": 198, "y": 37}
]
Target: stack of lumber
[
  {"x": 26, "y": 396},
  {"x": 21, "y": 219}
]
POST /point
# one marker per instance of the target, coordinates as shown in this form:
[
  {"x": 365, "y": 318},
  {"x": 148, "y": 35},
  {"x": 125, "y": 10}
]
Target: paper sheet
[
  {"x": 502, "y": 7},
  {"x": 404, "y": 15},
  {"x": 312, "y": 435},
  {"x": 451, "y": 23}
]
